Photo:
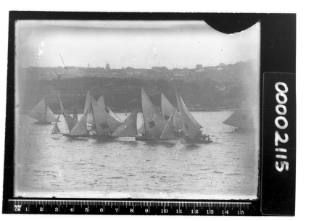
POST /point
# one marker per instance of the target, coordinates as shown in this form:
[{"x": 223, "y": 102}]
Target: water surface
[{"x": 56, "y": 166}]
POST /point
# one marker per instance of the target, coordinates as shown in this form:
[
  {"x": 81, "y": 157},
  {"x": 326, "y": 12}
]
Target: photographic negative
[{"x": 136, "y": 109}]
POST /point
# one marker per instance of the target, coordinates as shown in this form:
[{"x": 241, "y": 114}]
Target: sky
[{"x": 138, "y": 44}]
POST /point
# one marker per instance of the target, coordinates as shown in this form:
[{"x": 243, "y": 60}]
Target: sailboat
[
  {"x": 81, "y": 128},
  {"x": 241, "y": 119},
  {"x": 42, "y": 113},
  {"x": 95, "y": 120},
  {"x": 68, "y": 120},
  {"x": 167, "y": 110},
  {"x": 168, "y": 132},
  {"x": 105, "y": 124},
  {"x": 191, "y": 128},
  {"x": 154, "y": 122}
]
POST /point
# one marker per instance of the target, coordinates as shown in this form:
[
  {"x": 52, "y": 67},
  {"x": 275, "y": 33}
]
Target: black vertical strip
[
  {"x": 8, "y": 182},
  {"x": 278, "y": 54},
  {"x": 278, "y": 43},
  {"x": 278, "y": 159}
]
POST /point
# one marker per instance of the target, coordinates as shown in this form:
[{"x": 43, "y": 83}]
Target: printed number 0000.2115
[{"x": 281, "y": 123}]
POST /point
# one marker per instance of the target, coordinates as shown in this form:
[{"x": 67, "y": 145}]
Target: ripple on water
[
  {"x": 232, "y": 174},
  {"x": 134, "y": 167},
  {"x": 116, "y": 177}
]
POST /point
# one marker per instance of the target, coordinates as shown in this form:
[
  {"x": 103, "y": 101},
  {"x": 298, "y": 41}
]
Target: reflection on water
[{"x": 47, "y": 165}]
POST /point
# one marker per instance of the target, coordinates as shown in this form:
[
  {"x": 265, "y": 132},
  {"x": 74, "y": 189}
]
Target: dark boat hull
[
  {"x": 198, "y": 140},
  {"x": 88, "y": 136},
  {"x": 141, "y": 138},
  {"x": 70, "y": 135}
]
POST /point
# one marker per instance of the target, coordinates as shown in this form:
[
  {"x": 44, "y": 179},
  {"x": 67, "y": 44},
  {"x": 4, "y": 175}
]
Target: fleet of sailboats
[{"x": 98, "y": 120}]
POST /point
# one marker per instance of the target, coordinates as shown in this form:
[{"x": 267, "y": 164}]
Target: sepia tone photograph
[{"x": 136, "y": 109}]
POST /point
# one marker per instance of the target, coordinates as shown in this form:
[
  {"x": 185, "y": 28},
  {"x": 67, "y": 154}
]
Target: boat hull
[
  {"x": 197, "y": 141},
  {"x": 141, "y": 138},
  {"x": 89, "y": 136}
]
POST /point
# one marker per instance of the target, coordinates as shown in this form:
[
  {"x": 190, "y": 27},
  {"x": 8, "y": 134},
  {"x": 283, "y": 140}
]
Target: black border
[{"x": 278, "y": 54}]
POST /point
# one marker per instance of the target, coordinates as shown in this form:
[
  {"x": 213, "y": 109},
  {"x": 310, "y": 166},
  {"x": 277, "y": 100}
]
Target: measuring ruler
[{"x": 129, "y": 207}]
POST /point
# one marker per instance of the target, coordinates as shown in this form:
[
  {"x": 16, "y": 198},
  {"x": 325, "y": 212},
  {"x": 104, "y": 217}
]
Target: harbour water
[{"x": 55, "y": 166}]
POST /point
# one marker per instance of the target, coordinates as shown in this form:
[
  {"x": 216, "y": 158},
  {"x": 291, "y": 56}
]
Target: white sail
[
  {"x": 111, "y": 122},
  {"x": 42, "y": 113},
  {"x": 242, "y": 119},
  {"x": 90, "y": 118},
  {"x": 69, "y": 121},
  {"x": 38, "y": 112},
  {"x": 153, "y": 121},
  {"x": 167, "y": 109},
  {"x": 128, "y": 127},
  {"x": 90, "y": 115},
  {"x": 80, "y": 128},
  {"x": 187, "y": 112},
  {"x": 191, "y": 128},
  {"x": 169, "y": 131},
  {"x": 140, "y": 124}
]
